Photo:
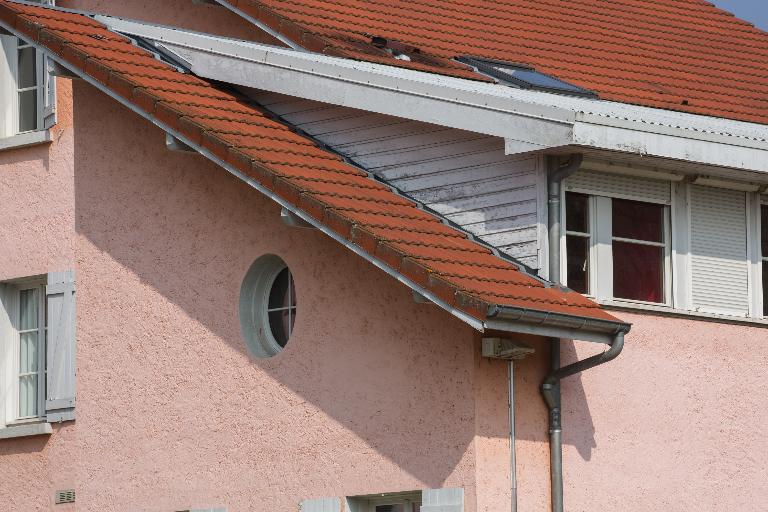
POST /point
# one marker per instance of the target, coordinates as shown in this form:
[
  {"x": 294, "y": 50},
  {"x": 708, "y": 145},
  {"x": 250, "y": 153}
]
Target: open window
[
  {"x": 37, "y": 349},
  {"x": 27, "y": 93}
]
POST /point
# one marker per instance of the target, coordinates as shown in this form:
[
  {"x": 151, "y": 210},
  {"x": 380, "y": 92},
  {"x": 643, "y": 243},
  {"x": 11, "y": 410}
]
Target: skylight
[{"x": 525, "y": 77}]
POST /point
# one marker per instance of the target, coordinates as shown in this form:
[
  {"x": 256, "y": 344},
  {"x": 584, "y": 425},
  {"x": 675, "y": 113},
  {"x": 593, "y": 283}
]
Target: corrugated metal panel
[
  {"x": 620, "y": 186},
  {"x": 464, "y": 176},
  {"x": 719, "y": 268}
]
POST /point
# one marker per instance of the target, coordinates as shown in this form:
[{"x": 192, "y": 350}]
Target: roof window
[{"x": 524, "y": 77}]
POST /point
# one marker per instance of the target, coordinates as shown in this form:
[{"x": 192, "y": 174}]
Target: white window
[
  {"x": 27, "y": 92},
  {"x": 394, "y": 502},
  {"x": 617, "y": 248},
  {"x": 764, "y": 256},
  {"x": 268, "y": 306},
  {"x": 37, "y": 349},
  {"x": 682, "y": 244}
]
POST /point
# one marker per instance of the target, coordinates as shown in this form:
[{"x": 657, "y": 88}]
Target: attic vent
[
  {"x": 67, "y": 496},
  {"x": 525, "y": 77}
]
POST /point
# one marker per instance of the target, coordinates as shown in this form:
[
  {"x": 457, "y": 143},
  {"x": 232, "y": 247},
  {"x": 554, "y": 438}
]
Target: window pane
[
  {"x": 28, "y": 352},
  {"x": 638, "y": 221},
  {"x": 28, "y": 309},
  {"x": 281, "y": 322},
  {"x": 577, "y": 250},
  {"x": 27, "y": 68},
  {"x": 764, "y": 229},
  {"x": 28, "y": 110},
  {"x": 638, "y": 272},
  {"x": 278, "y": 296},
  {"x": 765, "y": 288},
  {"x": 576, "y": 212},
  {"x": 398, "y": 507},
  {"x": 28, "y": 396}
]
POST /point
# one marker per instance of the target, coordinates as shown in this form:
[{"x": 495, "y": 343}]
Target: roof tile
[
  {"x": 683, "y": 55},
  {"x": 345, "y": 199}
]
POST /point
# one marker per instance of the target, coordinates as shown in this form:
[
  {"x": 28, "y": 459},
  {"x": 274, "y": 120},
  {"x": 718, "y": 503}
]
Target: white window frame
[
  {"x": 369, "y": 503},
  {"x": 601, "y": 249},
  {"x": 9, "y": 124},
  {"x": 678, "y": 292},
  {"x": 10, "y": 360}
]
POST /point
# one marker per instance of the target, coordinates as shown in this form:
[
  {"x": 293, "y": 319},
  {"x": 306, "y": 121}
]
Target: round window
[{"x": 267, "y": 306}]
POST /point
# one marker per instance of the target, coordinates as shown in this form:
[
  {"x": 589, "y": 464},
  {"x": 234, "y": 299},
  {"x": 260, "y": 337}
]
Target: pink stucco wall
[
  {"x": 373, "y": 393},
  {"x": 37, "y": 230}
]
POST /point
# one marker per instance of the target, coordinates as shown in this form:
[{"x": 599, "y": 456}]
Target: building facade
[{"x": 179, "y": 332}]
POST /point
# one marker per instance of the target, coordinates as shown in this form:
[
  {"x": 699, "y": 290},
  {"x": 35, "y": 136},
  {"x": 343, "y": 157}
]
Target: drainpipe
[
  {"x": 550, "y": 388},
  {"x": 512, "y": 436}
]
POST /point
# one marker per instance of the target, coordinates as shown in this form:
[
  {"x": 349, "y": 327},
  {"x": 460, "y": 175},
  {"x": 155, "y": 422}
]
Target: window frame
[
  {"x": 599, "y": 219},
  {"x": 10, "y": 48},
  {"x": 12, "y": 349},
  {"x": 369, "y": 503}
]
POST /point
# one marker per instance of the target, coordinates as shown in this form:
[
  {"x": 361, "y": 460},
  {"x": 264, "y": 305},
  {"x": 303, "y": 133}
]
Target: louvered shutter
[
  {"x": 60, "y": 342},
  {"x": 719, "y": 266},
  {"x": 321, "y": 505},
  {"x": 442, "y": 500},
  {"x": 620, "y": 186}
]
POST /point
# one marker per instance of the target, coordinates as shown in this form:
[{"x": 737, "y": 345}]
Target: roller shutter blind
[
  {"x": 620, "y": 186},
  {"x": 321, "y": 505},
  {"x": 718, "y": 261},
  {"x": 442, "y": 500}
]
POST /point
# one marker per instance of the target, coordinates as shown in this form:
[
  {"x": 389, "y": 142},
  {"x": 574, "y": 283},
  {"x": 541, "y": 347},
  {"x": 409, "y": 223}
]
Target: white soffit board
[{"x": 528, "y": 119}]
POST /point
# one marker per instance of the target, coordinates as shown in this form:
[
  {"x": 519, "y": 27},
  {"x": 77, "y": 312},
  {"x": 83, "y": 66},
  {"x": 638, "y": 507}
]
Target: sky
[{"x": 754, "y": 11}]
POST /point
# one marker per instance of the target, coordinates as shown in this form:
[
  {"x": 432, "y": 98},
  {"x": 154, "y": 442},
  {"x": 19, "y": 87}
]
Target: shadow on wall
[
  {"x": 578, "y": 428},
  {"x": 396, "y": 374},
  {"x": 22, "y": 445}
]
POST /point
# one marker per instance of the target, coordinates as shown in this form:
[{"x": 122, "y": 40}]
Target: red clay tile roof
[
  {"x": 684, "y": 55},
  {"x": 390, "y": 228}
]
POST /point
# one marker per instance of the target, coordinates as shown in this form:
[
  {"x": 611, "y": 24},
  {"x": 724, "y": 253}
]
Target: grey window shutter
[
  {"x": 49, "y": 93},
  {"x": 442, "y": 500},
  {"x": 321, "y": 505},
  {"x": 718, "y": 261},
  {"x": 60, "y": 392}
]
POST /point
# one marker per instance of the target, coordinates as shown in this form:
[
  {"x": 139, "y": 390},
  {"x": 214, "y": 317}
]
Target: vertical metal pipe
[
  {"x": 555, "y": 432},
  {"x": 551, "y": 389},
  {"x": 512, "y": 437}
]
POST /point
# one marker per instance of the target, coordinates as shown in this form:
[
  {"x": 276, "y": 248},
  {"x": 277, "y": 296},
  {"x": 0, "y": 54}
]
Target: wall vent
[{"x": 67, "y": 496}]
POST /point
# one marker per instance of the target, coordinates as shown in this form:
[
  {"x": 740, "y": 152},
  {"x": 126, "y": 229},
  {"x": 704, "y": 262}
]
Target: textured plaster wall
[
  {"x": 36, "y": 237},
  {"x": 374, "y": 393},
  {"x": 676, "y": 423}
]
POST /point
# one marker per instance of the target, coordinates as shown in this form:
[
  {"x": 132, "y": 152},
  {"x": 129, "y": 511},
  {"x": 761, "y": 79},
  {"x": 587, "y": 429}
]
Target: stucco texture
[
  {"x": 37, "y": 232},
  {"x": 374, "y": 393}
]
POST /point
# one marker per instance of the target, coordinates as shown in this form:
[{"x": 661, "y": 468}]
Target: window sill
[
  {"x": 25, "y": 139},
  {"x": 26, "y": 430},
  {"x": 638, "y": 307}
]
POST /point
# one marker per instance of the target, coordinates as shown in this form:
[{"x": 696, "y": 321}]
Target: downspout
[
  {"x": 512, "y": 437},
  {"x": 550, "y": 388}
]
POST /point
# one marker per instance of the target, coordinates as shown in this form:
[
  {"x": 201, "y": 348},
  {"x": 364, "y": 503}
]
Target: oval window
[{"x": 267, "y": 306}]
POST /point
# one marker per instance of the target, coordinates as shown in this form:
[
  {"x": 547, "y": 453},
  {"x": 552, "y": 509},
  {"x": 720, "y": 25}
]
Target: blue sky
[{"x": 754, "y": 11}]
